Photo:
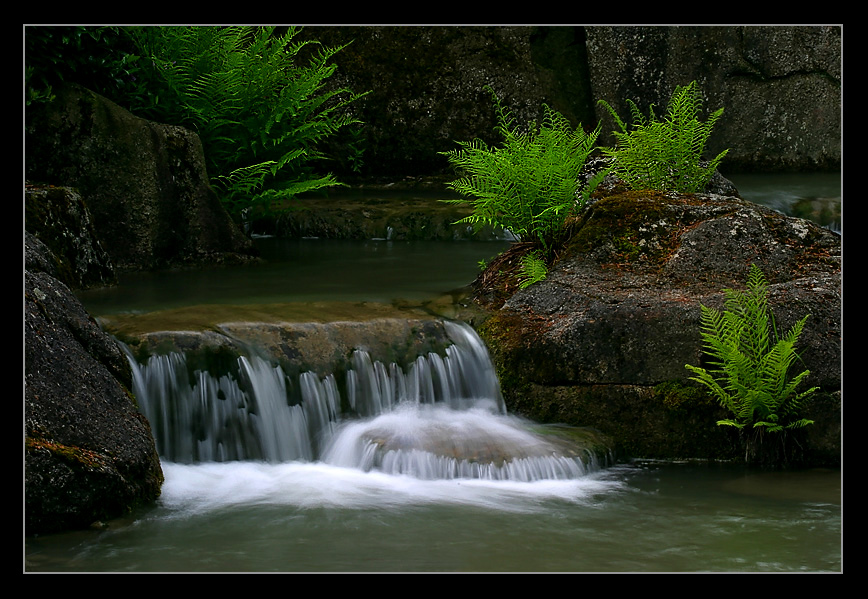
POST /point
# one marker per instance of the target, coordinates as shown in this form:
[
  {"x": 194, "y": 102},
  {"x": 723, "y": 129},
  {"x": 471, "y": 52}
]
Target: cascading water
[{"x": 442, "y": 418}]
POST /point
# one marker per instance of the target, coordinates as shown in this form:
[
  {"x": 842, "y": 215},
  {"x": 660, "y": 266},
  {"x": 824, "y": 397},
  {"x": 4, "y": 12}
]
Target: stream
[{"x": 322, "y": 513}]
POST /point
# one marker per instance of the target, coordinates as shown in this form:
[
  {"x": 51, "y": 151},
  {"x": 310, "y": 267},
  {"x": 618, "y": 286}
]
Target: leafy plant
[
  {"x": 750, "y": 364},
  {"x": 259, "y": 114},
  {"x": 665, "y": 155},
  {"x": 532, "y": 270},
  {"x": 531, "y": 184},
  {"x": 99, "y": 58}
]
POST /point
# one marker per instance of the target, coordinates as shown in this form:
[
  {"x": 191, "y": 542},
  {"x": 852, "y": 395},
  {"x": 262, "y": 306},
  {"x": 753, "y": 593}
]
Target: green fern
[
  {"x": 259, "y": 114},
  {"x": 532, "y": 183},
  {"x": 665, "y": 155},
  {"x": 749, "y": 366},
  {"x": 532, "y": 270}
]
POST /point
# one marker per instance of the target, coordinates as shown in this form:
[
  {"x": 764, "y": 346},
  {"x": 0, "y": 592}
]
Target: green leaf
[
  {"x": 243, "y": 89},
  {"x": 533, "y": 270}
]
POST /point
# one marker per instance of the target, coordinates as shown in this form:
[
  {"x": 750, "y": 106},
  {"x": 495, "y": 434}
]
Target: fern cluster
[
  {"x": 665, "y": 154},
  {"x": 259, "y": 113},
  {"x": 750, "y": 365},
  {"x": 531, "y": 183}
]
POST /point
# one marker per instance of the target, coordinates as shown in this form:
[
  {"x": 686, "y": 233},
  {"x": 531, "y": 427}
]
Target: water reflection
[
  {"x": 812, "y": 196},
  {"x": 304, "y": 270}
]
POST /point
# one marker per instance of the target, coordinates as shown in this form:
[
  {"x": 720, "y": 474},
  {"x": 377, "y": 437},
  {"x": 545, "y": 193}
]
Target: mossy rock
[{"x": 604, "y": 339}]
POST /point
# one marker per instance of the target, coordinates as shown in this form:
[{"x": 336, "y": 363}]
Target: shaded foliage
[
  {"x": 259, "y": 112},
  {"x": 254, "y": 95},
  {"x": 102, "y": 59}
]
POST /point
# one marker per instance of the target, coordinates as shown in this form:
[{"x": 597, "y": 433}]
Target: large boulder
[
  {"x": 427, "y": 87},
  {"x": 144, "y": 183},
  {"x": 604, "y": 339},
  {"x": 89, "y": 454},
  {"x": 780, "y": 87}
]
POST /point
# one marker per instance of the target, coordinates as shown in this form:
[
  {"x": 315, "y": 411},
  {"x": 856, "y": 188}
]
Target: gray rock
[
  {"x": 321, "y": 347},
  {"x": 144, "y": 183},
  {"x": 620, "y": 310},
  {"x": 59, "y": 218},
  {"x": 89, "y": 454},
  {"x": 780, "y": 86}
]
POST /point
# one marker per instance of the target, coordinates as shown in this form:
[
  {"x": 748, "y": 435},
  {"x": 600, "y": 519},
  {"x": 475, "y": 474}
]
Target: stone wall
[{"x": 780, "y": 86}]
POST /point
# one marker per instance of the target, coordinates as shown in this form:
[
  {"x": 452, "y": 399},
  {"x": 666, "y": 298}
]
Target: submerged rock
[
  {"x": 433, "y": 442},
  {"x": 406, "y": 216},
  {"x": 454, "y": 438},
  {"x": 321, "y": 347}
]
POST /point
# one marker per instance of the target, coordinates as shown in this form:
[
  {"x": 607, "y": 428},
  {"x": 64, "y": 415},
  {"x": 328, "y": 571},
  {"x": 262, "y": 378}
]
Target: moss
[
  {"x": 633, "y": 227},
  {"x": 74, "y": 456},
  {"x": 502, "y": 334},
  {"x": 679, "y": 396}
]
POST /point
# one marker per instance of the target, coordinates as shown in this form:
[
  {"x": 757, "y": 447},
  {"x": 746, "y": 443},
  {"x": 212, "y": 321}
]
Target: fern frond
[
  {"x": 531, "y": 183},
  {"x": 748, "y": 374},
  {"x": 533, "y": 270},
  {"x": 240, "y": 88}
]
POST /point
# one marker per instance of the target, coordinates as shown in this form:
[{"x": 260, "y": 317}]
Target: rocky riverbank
[{"x": 89, "y": 453}]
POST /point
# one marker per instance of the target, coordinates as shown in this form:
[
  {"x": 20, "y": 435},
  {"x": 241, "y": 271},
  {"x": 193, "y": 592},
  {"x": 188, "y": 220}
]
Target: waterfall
[
  {"x": 206, "y": 418},
  {"x": 440, "y": 417}
]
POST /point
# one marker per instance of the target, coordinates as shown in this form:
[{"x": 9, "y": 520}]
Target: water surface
[
  {"x": 307, "y": 270},
  {"x": 310, "y": 517},
  {"x": 813, "y": 196}
]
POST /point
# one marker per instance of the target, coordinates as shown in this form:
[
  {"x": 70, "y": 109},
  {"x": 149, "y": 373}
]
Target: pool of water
[
  {"x": 304, "y": 270},
  {"x": 309, "y": 517}
]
